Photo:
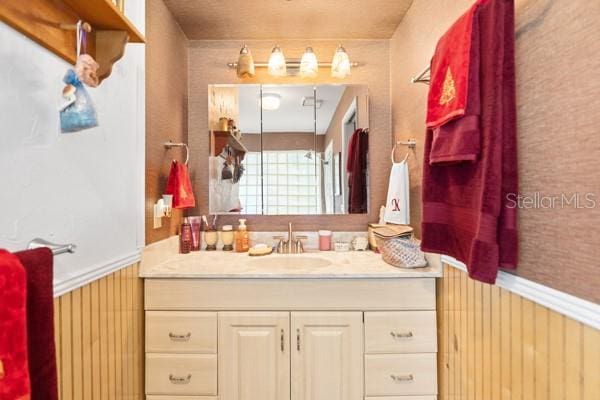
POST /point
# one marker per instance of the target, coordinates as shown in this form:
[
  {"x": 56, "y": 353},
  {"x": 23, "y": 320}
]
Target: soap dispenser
[{"x": 242, "y": 238}]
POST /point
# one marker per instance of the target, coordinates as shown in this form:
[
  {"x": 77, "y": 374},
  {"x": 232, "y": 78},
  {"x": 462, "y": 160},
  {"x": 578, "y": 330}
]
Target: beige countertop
[{"x": 161, "y": 260}]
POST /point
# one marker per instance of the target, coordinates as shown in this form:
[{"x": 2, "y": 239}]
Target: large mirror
[{"x": 288, "y": 149}]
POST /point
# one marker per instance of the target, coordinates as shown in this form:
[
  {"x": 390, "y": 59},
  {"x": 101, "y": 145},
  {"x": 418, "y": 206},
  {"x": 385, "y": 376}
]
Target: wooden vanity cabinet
[{"x": 289, "y": 339}]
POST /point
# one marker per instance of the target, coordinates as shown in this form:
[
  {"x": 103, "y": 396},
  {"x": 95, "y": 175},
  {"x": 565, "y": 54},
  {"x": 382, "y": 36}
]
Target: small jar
[
  {"x": 227, "y": 237},
  {"x": 224, "y": 124},
  {"x": 211, "y": 238},
  {"x": 324, "y": 240}
]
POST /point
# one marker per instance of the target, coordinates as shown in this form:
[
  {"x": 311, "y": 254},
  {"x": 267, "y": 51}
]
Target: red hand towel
[
  {"x": 456, "y": 132},
  {"x": 38, "y": 265},
  {"x": 466, "y": 212},
  {"x": 449, "y": 73},
  {"x": 14, "y": 371},
  {"x": 180, "y": 186}
]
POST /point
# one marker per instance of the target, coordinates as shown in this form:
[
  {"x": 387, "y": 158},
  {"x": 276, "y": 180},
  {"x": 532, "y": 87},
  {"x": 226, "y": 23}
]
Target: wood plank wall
[
  {"x": 497, "y": 345},
  {"x": 100, "y": 339}
]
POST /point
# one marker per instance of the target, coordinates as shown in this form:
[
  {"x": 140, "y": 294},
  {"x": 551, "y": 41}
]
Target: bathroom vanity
[{"x": 335, "y": 326}]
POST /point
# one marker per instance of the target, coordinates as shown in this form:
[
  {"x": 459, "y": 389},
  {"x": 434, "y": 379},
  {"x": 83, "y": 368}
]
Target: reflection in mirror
[{"x": 288, "y": 149}]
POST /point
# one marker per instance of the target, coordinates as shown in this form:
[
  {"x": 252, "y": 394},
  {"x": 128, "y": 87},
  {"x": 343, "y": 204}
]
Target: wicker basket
[{"x": 401, "y": 251}]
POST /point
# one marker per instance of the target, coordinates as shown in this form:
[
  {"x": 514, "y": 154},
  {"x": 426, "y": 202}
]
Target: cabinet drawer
[
  {"x": 400, "y": 374},
  {"x": 181, "y": 332},
  {"x": 181, "y": 374},
  {"x": 400, "y": 332}
]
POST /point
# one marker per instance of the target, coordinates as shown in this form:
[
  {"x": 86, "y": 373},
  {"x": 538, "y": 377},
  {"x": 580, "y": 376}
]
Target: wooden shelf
[
  {"x": 41, "y": 21},
  {"x": 104, "y": 15},
  {"x": 220, "y": 138}
]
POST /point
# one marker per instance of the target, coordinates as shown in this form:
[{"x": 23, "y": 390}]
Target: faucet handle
[
  {"x": 279, "y": 247},
  {"x": 299, "y": 245}
]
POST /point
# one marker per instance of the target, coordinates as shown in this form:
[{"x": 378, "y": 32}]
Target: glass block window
[
  {"x": 250, "y": 185},
  {"x": 291, "y": 185}
]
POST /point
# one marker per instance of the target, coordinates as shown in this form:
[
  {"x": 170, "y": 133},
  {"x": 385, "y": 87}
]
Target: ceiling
[
  {"x": 291, "y": 116},
  {"x": 288, "y": 19}
]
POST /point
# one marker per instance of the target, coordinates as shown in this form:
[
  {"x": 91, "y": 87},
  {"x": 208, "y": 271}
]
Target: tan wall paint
[
  {"x": 208, "y": 65},
  {"x": 100, "y": 339},
  {"x": 284, "y": 141},
  {"x": 558, "y": 95},
  {"x": 166, "y": 108},
  {"x": 495, "y": 345},
  {"x": 334, "y": 131}
]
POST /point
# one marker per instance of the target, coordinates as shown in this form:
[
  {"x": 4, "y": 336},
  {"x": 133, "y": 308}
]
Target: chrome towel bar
[{"x": 56, "y": 248}]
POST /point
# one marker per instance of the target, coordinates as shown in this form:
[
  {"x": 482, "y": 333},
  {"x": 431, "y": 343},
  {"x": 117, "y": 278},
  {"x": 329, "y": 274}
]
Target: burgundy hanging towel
[
  {"x": 470, "y": 162},
  {"x": 38, "y": 265},
  {"x": 356, "y": 166},
  {"x": 180, "y": 186},
  {"x": 14, "y": 370}
]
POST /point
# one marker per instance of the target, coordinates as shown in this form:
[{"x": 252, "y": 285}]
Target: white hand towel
[{"x": 397, "y": 207}]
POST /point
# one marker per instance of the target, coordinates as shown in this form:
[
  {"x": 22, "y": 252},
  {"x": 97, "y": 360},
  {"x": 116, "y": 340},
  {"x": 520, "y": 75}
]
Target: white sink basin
[{"x": 289, "y": 261}]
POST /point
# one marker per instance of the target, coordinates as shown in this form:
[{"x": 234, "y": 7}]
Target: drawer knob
[
  {"x": 401, "y": 335},
  {"x": 402, "y": 378},
  {"x": 180, "y": 380},
  {"x": 180, "y": 338}
]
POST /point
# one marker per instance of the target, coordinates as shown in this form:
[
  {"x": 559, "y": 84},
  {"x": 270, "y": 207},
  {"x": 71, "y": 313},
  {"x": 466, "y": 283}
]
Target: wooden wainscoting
[
  {"x": 100, "y": 339},
  {"x": 497, "y": 345}
]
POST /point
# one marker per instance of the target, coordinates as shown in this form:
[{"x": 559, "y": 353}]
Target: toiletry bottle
[
  {"x": 185, "y": 237},
  {"x": 242, "y": 238}
]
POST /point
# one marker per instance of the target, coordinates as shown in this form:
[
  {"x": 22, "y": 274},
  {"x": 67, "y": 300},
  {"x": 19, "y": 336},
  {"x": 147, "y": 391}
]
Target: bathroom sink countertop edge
[{"x": 161, "y": 260}]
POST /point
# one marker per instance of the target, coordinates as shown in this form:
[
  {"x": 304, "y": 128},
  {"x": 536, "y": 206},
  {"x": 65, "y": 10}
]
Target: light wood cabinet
[
  {"x": 254, "y": 355},
  {"x": 291, "y": 339},
  {"x": 327, "y": 356}
]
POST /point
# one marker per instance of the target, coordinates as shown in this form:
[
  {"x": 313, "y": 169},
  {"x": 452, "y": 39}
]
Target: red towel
[
  {"x": 14, "y": 370},
  {"x": 456, "y": 123},
  {"x": 38, "y": 264},
  {"x": 450, "y": 72},
  {"x": 180, "y": 186},
  {"x": 358, "y": 150},
  {"x": 466, "y": 209}
]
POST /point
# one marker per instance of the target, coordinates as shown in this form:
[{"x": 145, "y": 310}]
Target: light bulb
[
  {"x": 309, "y": 66},
  {"x": 245, "y": 64},
  {"x": 340, "y": 65},
  {"x": 277, "y": 66}
]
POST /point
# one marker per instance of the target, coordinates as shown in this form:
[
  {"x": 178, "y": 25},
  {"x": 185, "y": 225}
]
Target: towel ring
[
  {"x": 169, "y": 145},
  {"x": 411, "y": 143}
]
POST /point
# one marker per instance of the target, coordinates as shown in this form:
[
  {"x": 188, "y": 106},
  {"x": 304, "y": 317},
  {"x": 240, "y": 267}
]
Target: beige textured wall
[
  {"x": 166, "y": 108},
  {"x": 558, "y": 95},
  {"x": 334, "y": 131},
  {"x": 207, "y": 65}
]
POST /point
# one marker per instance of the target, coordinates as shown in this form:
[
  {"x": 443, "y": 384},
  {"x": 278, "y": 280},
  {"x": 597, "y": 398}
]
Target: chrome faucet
[{"x": 293, "y": 244}]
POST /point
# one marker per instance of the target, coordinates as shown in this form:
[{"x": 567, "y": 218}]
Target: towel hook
[
  {"x": 169, "y": 145},
  {"x": 410, "y": 143}
]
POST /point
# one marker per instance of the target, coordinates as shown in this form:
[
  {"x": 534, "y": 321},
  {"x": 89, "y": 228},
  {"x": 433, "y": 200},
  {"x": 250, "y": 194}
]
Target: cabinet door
[
  {"x": 327, "y": 356},
  {"x": 254, "y": 356}
]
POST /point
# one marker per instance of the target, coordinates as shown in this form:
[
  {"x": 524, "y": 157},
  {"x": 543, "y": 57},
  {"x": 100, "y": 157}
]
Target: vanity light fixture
[
  {"x": 270, "y": 101},
  {"x": 340, "y": 65},
  {"x": 277, "y": 66},
  {"x": 309, "y": 66},
  {"x": 245, "y": 64}
]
